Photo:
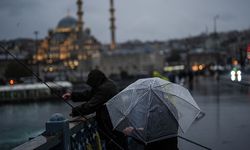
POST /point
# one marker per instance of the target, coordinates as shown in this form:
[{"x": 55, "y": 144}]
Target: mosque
[
  {"x": 70, "y": 47},
  {"x": 71, "y": 51}
]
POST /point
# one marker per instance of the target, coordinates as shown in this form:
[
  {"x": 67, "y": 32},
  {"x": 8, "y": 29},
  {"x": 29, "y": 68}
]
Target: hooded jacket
[{"x": 102, "y": 90}]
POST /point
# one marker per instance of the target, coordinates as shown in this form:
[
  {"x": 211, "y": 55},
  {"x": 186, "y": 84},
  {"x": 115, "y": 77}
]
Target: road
[{"x": 226, "y": 125}]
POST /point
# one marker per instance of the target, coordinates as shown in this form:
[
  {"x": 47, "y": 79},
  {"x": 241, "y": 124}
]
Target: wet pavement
[{"x": 226, "y": 125}]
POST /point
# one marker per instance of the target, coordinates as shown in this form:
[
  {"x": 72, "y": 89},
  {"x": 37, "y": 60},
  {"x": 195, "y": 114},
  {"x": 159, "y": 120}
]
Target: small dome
[{"x": 67, "y": 22}]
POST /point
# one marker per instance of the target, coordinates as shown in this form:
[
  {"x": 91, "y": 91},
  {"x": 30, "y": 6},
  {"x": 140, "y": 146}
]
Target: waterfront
[
  {"x": 226, "y": 125},
  {"x": 23, "y": 121}
]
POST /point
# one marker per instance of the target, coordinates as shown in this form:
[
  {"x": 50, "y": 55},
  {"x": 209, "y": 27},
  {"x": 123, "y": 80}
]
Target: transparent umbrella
[{"x": 155, "y": 109}]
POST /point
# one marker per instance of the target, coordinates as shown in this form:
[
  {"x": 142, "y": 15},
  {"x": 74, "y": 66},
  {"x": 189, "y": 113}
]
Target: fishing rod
[
  {"x": 195, "y": 143},
  {"x": 56, "y": 94},
  {"x": 35, "y": 75}
]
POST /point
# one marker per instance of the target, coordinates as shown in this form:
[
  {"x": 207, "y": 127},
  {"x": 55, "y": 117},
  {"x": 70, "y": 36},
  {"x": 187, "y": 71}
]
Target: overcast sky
[{"x": 135, "y": 19}]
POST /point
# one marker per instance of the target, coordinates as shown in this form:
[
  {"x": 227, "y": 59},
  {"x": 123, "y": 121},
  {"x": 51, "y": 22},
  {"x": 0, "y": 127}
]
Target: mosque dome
[{"x": 67, "y": 22}]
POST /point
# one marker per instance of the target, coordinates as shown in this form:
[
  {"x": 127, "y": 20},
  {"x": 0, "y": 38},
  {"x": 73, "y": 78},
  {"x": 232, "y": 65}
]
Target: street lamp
[
  {"x": 215, "y": 23},
  {"x": 36, "y": 50}
]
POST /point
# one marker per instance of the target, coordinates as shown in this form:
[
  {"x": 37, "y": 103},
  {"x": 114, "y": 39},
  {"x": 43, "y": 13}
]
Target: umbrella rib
[
  {"x": 133, "y": 106},
  {"x": 180, "y": 98},
  {"x": 127, "y": 112},
  {"x": 163, "y": 102},
  {"x": 184, "y": 101},
  {"x": 132, "y": 88},
  {"x": 150, "y": 102},
  {"x": 120, "y": 119},
  {"x": 162, "y": 84}
]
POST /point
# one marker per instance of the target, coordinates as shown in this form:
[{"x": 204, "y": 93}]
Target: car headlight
[
  {"x": 239, "y": 77},
  {"x": 233, "y": 73}
]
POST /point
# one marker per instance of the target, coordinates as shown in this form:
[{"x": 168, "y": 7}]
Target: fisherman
[{"x": 102, "y": 89}]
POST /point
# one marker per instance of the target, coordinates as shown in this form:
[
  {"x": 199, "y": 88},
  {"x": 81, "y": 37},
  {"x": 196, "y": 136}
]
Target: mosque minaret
[
  {"x": 80, "y": 23},
  {"x": 112, "y": 25}
]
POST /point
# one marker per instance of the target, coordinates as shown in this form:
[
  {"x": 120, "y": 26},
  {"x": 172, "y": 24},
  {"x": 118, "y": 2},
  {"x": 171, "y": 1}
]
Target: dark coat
[
  {"x": 166, "y": 144},
  {"x": 102, "y": 90}
]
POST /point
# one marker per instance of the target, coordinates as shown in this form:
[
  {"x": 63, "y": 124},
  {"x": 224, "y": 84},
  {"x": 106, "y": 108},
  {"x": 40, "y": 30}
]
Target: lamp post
[
  {"x": 36, "y": 49},
  {"x": 215, "y": 23}
]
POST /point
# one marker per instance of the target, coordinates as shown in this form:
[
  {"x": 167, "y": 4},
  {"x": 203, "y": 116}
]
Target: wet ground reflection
[{"x": 226, "y": 125}]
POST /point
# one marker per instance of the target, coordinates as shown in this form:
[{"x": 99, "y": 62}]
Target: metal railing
[{"x": 64, "y": 134}]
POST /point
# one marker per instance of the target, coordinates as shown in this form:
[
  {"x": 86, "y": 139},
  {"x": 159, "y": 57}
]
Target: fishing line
[
  {"x": 53, "y": 92},
  {"x": 27, "y": 68},
  {"x": 194, "y": 143}
]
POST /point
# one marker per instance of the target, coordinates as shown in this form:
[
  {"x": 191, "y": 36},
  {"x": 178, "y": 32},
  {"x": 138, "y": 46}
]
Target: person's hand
[
  {"x": 66, "y": 96},
  {"x": 128, "y": 131}
]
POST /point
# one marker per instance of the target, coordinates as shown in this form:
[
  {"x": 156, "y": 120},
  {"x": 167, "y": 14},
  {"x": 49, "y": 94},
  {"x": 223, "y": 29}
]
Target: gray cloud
[
  {"x": 135, "y": 19},
  {"x": 17, "y": 7}
]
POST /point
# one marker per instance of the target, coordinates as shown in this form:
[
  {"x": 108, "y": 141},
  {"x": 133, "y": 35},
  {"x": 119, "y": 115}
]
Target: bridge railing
[{"x": 62, "y": 134}]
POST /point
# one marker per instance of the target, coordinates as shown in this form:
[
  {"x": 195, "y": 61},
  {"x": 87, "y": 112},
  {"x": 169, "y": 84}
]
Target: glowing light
[
  {"x": 51, "y": 69},
  {"x": 195, "y": 68},
  {"x": 239, "y": 77},
  {"x": 174, "y": 68},
  {"x": 201, "y": 67},
  {"x": 236, "y": 75},
  {"x": 232, "y": 73},
  {"x": 76, "y": 63},
  {"x": 12, "y": 82},
  {"x": 233, "y": 78}
]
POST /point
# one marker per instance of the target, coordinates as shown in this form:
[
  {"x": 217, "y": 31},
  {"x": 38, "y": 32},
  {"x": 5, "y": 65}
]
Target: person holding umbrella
[
  {"x": 102, "y": 89},
  {"x": 154, "y": 112},
  {"x": 170, "y": 143}
]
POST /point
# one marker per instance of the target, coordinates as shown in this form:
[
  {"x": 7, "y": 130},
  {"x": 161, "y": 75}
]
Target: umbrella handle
[{"x": 194, "y": 143}]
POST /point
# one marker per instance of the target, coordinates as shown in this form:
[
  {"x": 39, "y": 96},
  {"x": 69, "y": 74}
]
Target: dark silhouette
[
  {"x": 190, "y": 79},
  {"x": 166, "y": 144},
  {"x": 102, "y": 89},
  {"x": 170, "y": 143}
]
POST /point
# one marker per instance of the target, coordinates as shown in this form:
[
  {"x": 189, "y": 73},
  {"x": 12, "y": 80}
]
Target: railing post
[{"x": 59, "y": 124}]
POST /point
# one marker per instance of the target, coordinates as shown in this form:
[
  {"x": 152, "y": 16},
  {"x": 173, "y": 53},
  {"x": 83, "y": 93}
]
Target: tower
[
  {"x": 112, "y": 25},
  {"x": 80, "y": 22}
]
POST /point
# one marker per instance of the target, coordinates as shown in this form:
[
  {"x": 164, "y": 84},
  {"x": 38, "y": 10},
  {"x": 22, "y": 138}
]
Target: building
[
  {"x": 68, "y": 49},
  {"x": 140, "y": 61}
]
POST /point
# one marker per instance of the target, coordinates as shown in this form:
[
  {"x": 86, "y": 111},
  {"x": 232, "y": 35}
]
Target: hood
[{"x": 96, "y": 78}]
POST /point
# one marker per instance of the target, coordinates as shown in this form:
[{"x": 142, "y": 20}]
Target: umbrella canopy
[{"x": 154, "y": 108}]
